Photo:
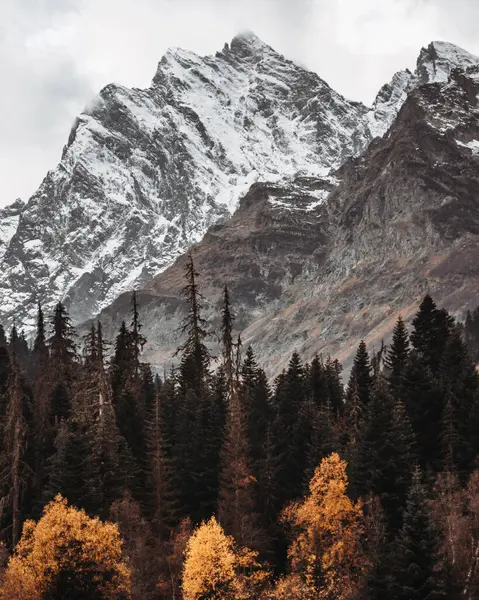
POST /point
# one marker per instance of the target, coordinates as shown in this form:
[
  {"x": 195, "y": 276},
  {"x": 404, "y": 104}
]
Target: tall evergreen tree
[
  {"x": 194, "y": 453},
  {"x": 227, "y": 321},
  {"x": 63, "y": 361},
  {"x": 293, "y": 431},
  {"x": 333, "y": 370},
  {"x": 162, "y": 505},
  {"x": 361, "y": 377},
  {"x": 397, "y": 357},
  {"x": 383, "y": 454},
  {"x": 431, "y": 329},
  {"x": 417, "y": 573}
]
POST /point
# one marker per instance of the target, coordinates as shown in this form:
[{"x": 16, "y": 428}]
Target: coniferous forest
[{"x": 215, "y": 482}]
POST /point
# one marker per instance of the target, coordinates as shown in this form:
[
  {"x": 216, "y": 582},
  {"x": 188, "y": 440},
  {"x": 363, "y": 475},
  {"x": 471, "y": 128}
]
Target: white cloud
[{"x": 55, "y": 54}]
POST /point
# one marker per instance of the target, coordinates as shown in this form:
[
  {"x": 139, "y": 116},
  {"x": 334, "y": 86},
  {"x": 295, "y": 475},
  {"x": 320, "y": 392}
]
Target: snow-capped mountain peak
[
  {"x": 439, "y": 59},
  {"x": 145, "y": 172}
]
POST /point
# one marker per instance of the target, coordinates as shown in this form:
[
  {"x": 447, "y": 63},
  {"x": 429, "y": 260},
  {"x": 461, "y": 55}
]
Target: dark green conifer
[
  {"x": 397, "y": 357},
  {"x": 417, "y": 569}
]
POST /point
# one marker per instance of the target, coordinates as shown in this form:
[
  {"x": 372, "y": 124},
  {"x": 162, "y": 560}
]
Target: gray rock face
[
  {"x": 146, "y": 173},
  {"x": 9, "y": 217},
  {"x": 319, "y": 263}
]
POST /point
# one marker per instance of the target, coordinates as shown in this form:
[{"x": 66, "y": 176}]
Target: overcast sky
[{"x": 56, "y": 54}]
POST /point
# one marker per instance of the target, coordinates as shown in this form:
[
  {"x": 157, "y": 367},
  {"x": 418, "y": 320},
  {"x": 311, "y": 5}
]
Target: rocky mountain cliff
[
  {"x": 317, "y": 264},
  {"x": 145, "y": 173}
]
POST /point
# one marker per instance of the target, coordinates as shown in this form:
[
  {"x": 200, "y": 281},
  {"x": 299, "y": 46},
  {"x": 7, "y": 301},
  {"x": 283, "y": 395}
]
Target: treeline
[{"x": 162, "y": 456}]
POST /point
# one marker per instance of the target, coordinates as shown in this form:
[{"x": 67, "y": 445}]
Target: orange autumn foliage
[
  {"x": 67, "y": 554},
  {"x": 328, "y": 527},
  {"x": 216, "y": 568}
]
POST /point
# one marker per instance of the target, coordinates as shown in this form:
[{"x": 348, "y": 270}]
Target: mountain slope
[
  {"x": 145, "y": 172},
  {"x": 317, "y": 264}
]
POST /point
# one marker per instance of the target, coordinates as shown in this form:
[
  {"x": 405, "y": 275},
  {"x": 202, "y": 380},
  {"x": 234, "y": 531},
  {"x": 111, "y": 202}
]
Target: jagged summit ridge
[
  {"x": 436, "y": 62},
  {"x": 146, "y": 172}
]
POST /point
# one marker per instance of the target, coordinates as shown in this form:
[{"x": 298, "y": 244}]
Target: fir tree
[
  {"x": 163, "y": 502},
  {"x": 384, "y": 453},
  {"x": 397, "y": 357},
  {"x": 361, "y": 378},
  {"x": 417, "y": 573},
  {"x": 333, "y": 371},
  {"x": 63, "y": 361},
  {"x": 255, "y": 397},
  {"x": 431, "y": 329},
  {"x": 293, "y": 430},
  {"x": 237, "y": 504}
]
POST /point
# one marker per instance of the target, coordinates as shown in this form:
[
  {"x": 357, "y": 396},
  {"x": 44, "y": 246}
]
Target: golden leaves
[
  {"x": 216, "y": 568},
  {"x": 328, "y": 528},
  {"x": 66, "y": 540}
]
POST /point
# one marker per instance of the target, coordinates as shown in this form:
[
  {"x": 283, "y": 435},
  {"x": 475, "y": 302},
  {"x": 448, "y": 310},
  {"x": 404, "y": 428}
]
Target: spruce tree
[
  {"x": 162, "y": 504},
  {"x": 3, "y": 338},
  {"x": 460, "y": 386},
  {"x": 63, "y": 361},
  {"x": 424, "y": 405},
  {"x": 397, "y": 357},
  {"x": 431, "y": 330},
  {"x": 383, "y": 454},
  {"x": 417, "y": 572},
  {"x": 227, "y": 343},
  {"x": 127, "y": 385},
  {"x": 195, "y": 453},
  {"x": 333, "y": 370},
  {"x": 255, "y": 397},
  {"x": 237, "y": 509},
  {"x": 361, "y": 377}
]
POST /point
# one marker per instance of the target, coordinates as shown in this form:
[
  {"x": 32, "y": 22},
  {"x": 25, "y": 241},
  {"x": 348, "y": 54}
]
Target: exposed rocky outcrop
[
  {"x": 146, "y": 172},
  {"x": 316, "y": 264}
]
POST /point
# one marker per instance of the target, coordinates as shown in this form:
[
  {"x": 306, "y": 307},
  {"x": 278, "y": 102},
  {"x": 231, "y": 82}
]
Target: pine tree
[
  {"x": 417, "y": 574},
  {"x": 3, "y": 338},
  {"x": 195, "y": 363},
  {"x": 424, "y": 405},
  {"x": 62, "y": 364},
  {"x": 293, "y": 432},
  {"x": 431, "y": 330},
  {"x": 318, "y": 383},
  {"x": 163, "y": 501},
  {"x": 237, "y": 508},
  {"x": 196, "y": 451},
  {"x": 361, "y": 378},
  {"x": 255, "y": 397},
  {"x": 127, "y": 385},
  {"x": 384, "y": 453},
  {"x": 333, "y": 371},
  {"x": 397, "y": 357},
  {"x": 460, "y": 386}
]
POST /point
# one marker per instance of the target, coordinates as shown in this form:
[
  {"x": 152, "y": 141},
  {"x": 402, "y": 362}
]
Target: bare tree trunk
[{"x": 467, "y": 592}]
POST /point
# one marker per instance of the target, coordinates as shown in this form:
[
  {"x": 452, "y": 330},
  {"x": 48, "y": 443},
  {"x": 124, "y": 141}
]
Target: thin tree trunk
[{"x": 467, "y": 592}]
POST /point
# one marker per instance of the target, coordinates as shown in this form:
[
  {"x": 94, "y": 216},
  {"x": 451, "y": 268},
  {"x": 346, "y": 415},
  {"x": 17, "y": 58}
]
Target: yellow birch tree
[
  {"x": 215, "y": 568},
  {"x": 328, "y": 528},
  {"x": 67, "y": 554}
]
